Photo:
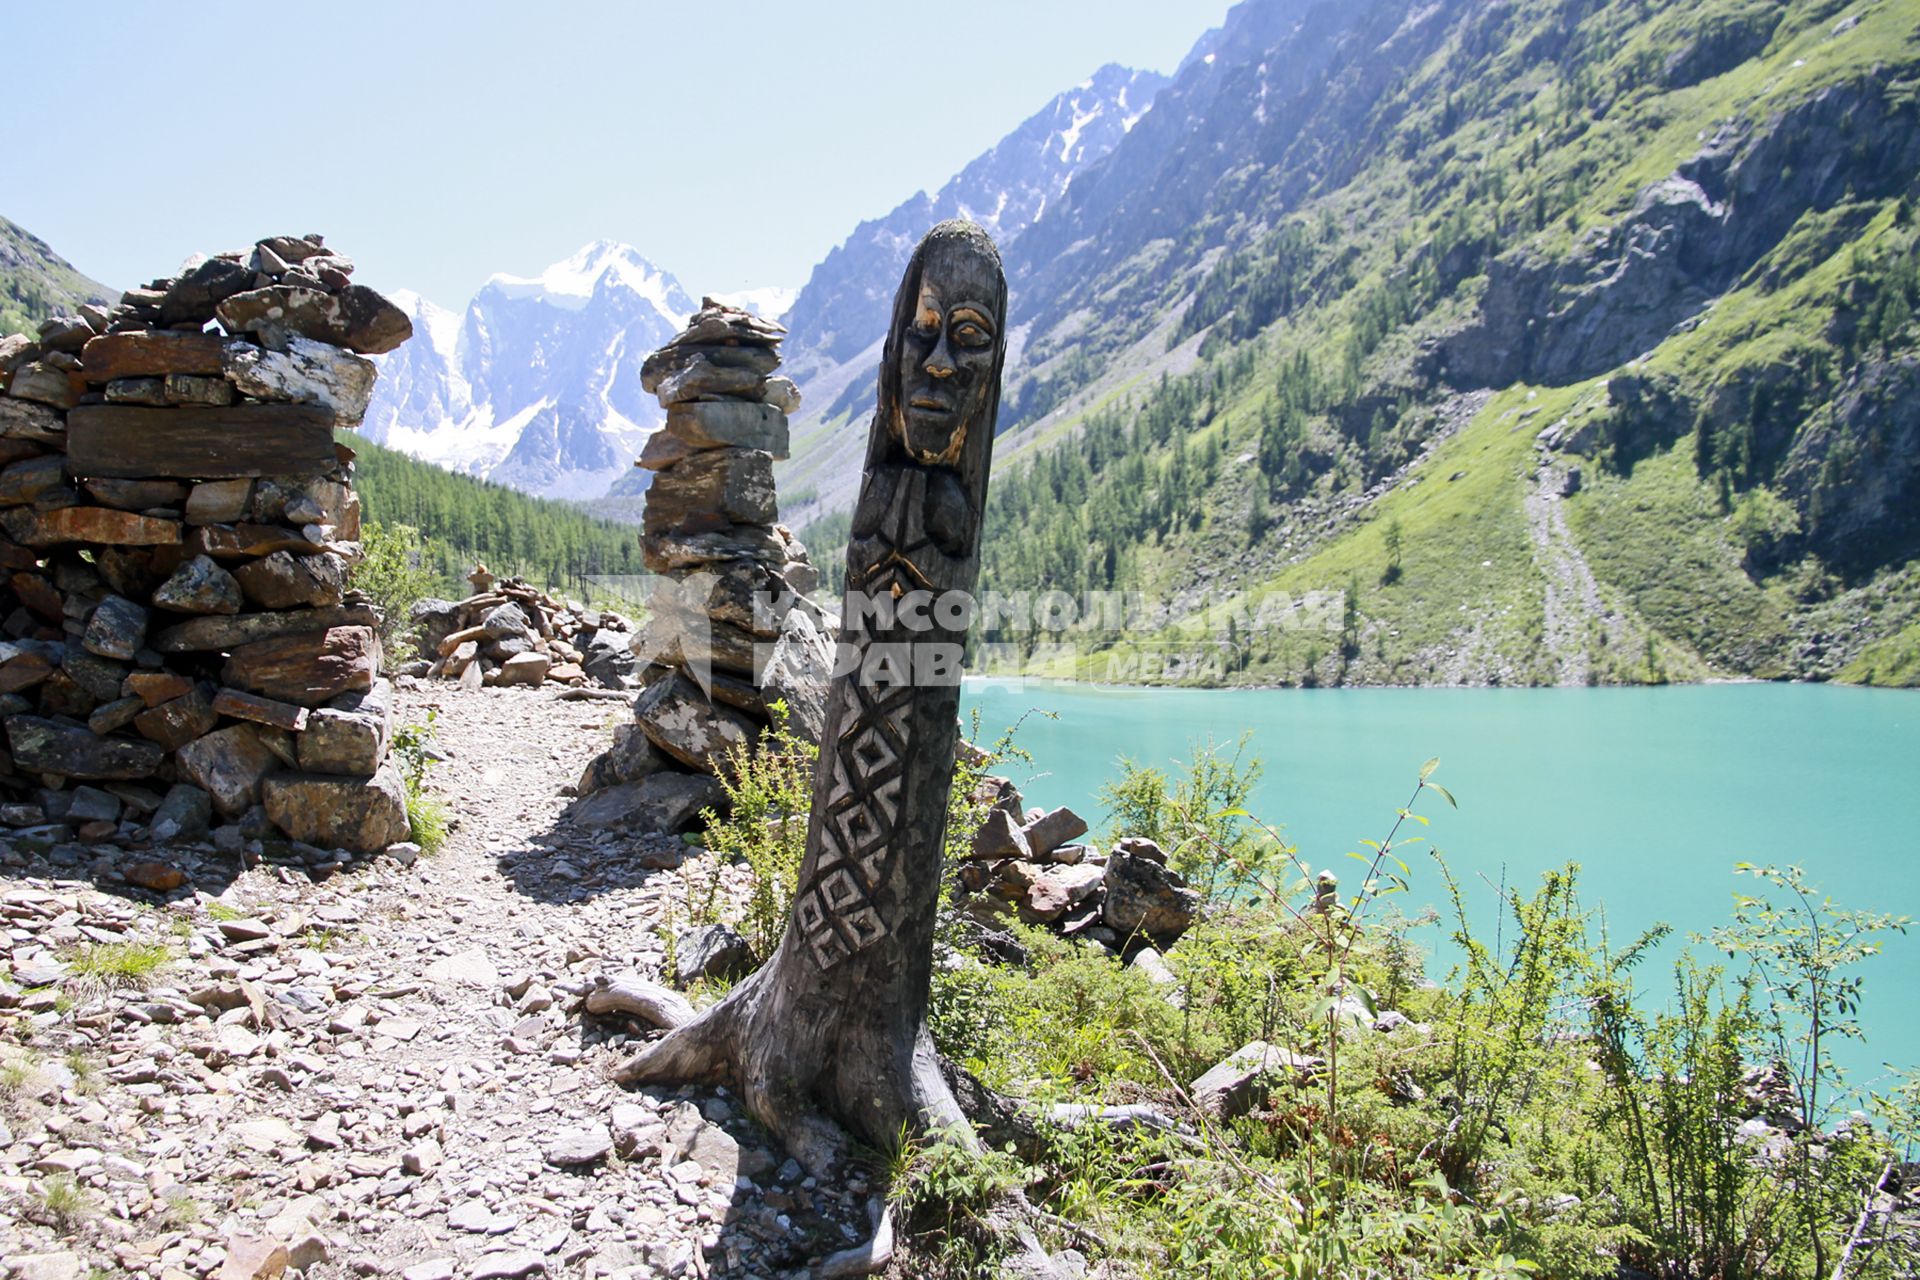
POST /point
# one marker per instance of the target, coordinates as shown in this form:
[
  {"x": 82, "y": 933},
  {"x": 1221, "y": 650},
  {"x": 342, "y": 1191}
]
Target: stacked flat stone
[
  {"x": 509, "y": 632},
  {"x": 1032, "y": 864},
  {"x": 730, "y": 630},
  {"x": 176, "y": 529}
]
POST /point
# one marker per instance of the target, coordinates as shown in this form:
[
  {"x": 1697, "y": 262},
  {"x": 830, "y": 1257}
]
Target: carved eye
[{"x": 969, "y": 334}]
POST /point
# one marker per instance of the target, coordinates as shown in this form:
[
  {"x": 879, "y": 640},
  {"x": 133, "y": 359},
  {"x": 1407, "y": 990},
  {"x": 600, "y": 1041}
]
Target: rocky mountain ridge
[
  {"x": 37, "y": 284},
  {"x": 1670, "y": 245},
  {"x": 537, "y": 384}
]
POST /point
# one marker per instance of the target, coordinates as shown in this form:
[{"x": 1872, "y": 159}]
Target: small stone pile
[
  {"x": 731, "y": 630},
  {"x": 1031, "y": 863},
  {"x": 511, "y": 633},
  {"x": 176, "y": 529}
]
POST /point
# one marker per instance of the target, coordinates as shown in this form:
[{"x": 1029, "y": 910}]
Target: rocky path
[
  {"x": 1573, "y": 604},
  {"x": 380, "y": 1069}
]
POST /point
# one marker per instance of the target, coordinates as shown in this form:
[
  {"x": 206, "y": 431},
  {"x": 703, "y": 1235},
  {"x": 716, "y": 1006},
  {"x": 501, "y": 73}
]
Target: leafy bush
[
  {"x": 1199, "y": 816},
  {"x": 945, "y": 1191},
  {"x": 769, "y": 790},
  {"x": 428, "y": 816},
  {"x": 392, "y": 572},
  {"x": 1695, "y": 1195}
]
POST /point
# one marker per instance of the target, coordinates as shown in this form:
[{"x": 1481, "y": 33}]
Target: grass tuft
[
  {"x": 119, "y": 964},
  {"x": 64, "y": 1200}
]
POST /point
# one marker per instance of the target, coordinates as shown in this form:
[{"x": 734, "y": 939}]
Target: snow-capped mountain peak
[
  {"x": 572, "y": 283},
  {"x": 441, "y": 326},
  {"x": 537, "y": 383}
]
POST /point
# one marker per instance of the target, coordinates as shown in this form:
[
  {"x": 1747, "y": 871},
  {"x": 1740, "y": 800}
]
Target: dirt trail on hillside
[{"x": 1573, "y": 603}]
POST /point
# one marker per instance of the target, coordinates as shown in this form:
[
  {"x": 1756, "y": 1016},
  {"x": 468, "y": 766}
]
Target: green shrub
[
  {"x": 945, "y": 1191},
  {"x": 769, "y": 790},
  {"x": 1537, "y": 1115},
  {"x": 392, "y": 572},
  {"x": 1199, "y": 816},
  {"x": 429, "y": 819}
]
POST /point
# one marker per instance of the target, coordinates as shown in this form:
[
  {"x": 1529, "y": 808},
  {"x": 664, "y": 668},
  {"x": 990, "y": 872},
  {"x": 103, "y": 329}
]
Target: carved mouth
[{"x": 929, "y": 404}]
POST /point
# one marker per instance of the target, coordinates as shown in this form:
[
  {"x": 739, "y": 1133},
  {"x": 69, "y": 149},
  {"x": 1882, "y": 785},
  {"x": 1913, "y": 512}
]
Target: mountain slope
[
  {"x": 36, "y": 283},
  {"x": 839, "y": 319},
  {"x": 537, "y": 385},
  {"x": 1555, "y": 341}
]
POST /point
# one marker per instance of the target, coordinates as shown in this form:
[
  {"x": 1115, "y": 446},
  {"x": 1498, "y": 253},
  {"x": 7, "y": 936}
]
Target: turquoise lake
[{"x": 1655, "y": 792}]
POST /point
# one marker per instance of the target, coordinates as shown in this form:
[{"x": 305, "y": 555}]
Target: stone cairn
[
  {"x": 731, "y": 630},
  {"x": 176, "y": 529},
  {"x": 1032, "y": 864},
  {"x": 511, "y": 633}
]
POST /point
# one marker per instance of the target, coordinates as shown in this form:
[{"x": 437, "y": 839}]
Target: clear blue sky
[{"x": 732, "y": 143}]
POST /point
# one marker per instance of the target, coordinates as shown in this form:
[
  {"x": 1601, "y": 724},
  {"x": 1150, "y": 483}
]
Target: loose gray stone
[
  {"x": 229, "y": 764},
  {"x": 339, "y": 813},
  {"x": 184, "y": 815},
  {"x": 579, "y": 1146},
  {"x": 711, "y": 951},
  {"x": 668, "y": 801},
  {"x": 508, "y": 1264},
  {"x": 117, "y": 629},
  {"x": 507, "y": 621},
  {"x": 91, "y": 804},
  {"x": 307, "y": 372}
]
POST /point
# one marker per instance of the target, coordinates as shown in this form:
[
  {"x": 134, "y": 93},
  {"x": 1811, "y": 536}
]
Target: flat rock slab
[
  {"x": 1239, "y": 1083},
  {"x": 469, "y": 967},
  {"x": 104, "y": 526},
  {"x": 724, "y": 424},
  {"x": 668, "y": 801},
  {"x": 284, "y": 580},
  {"x": 150, "y": 354},
  {"x": 680, "y": 720},
  {"x": 712, "y": 489},
  {"x": 306, "y": 668},
  {"x": 24, "y": 420},
  {"x": 507, "y": 1265},
  {"x": 244, "y": 628},
  {"x": 349, "y": 735},
  {"x": 476, "y": 1217},
  {"x": 307, "y": 372},
  {"x": 200, "y": 586},
  {"x": 579, "y": 1146},
  {"x": 200, "y": 443},
  {"x": 357, "y": 317},
  {"x": 229, "y": 764},
  {"x": 1051, "y": 830},
  {"x": 47, "y": 746},
  {"x": 277, "y": 715}
]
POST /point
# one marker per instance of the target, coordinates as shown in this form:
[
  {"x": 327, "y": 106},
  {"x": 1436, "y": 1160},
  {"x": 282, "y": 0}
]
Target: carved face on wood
[{"x": 947, "y": 358}]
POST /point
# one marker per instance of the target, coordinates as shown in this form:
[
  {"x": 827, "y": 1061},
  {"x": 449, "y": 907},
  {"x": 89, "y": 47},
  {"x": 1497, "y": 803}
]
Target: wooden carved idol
[{"x": 830, "y": 1035}]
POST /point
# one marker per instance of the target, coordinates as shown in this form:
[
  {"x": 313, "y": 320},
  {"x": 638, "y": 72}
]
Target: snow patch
[{"x": 769, "y": 302}]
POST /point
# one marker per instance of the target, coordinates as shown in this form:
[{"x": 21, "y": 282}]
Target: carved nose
[{"x": 940, "y": 360}]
